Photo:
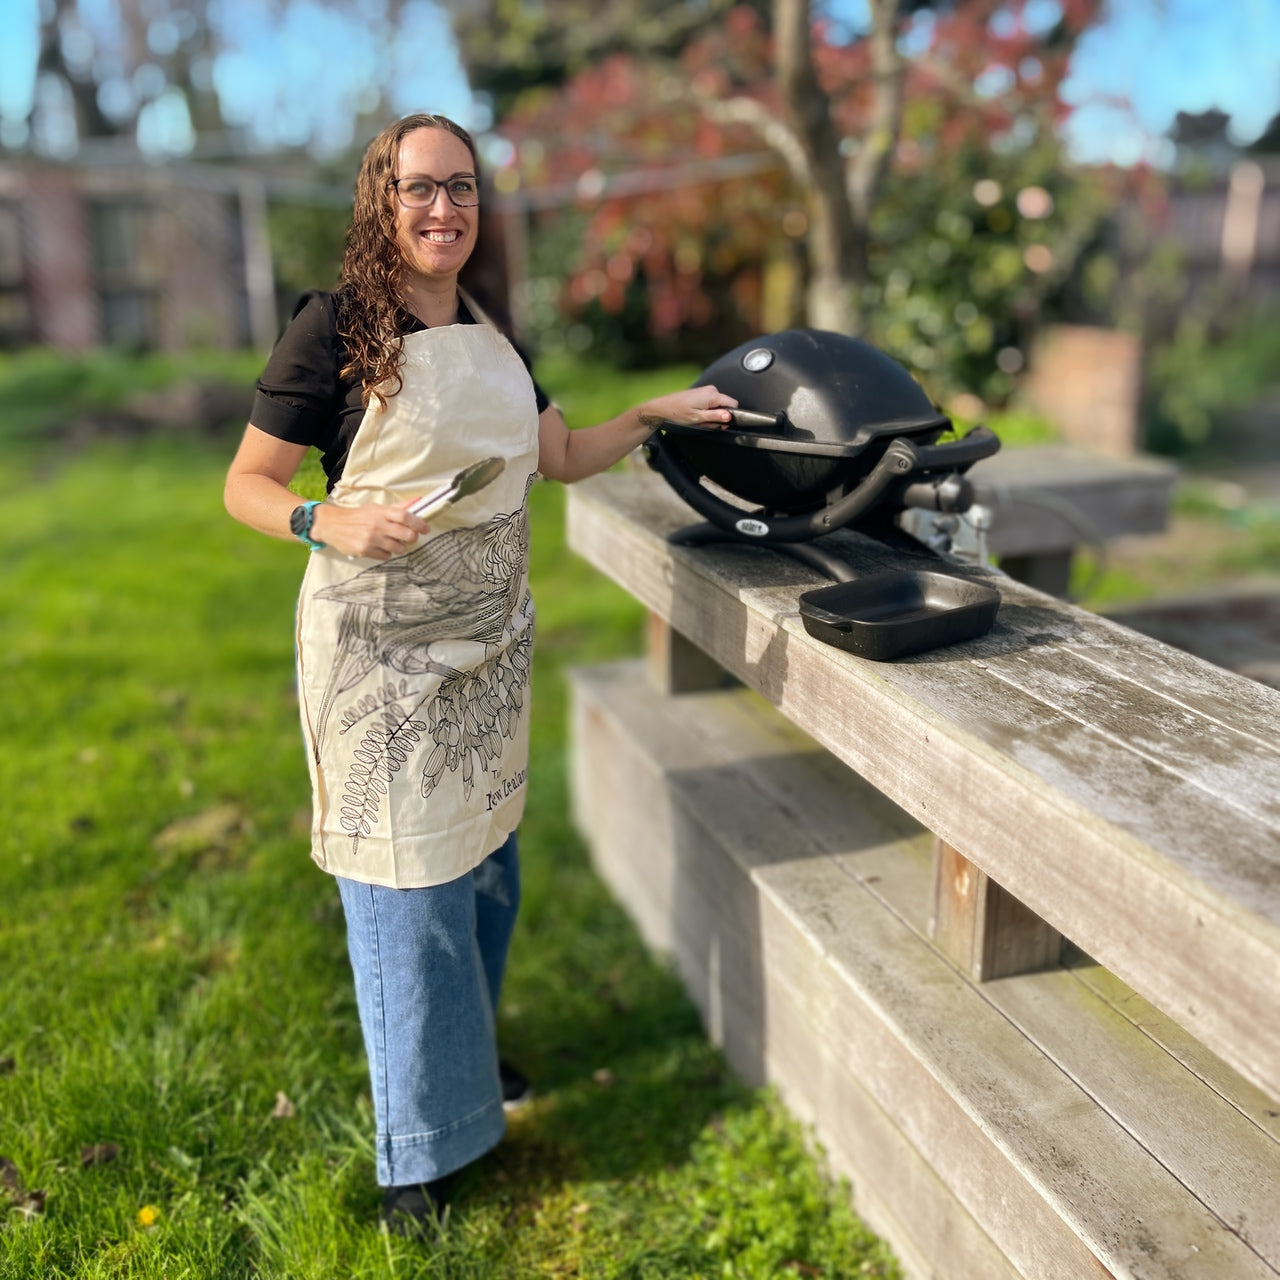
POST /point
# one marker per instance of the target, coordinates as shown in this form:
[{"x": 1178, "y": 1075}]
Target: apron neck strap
[{"x": 474, "y": 307}]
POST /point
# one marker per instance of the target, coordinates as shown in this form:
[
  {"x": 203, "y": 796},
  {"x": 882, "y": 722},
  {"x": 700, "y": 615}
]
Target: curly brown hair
[{"x": 370, "y": 298}]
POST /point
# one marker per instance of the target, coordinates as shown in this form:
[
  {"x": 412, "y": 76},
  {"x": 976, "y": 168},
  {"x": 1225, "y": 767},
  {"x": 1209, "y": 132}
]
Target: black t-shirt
[{"x": 302, "y": 396}]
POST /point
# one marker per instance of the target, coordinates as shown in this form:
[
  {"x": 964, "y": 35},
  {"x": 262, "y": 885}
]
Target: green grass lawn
[{"x": 182, "y": 1084}]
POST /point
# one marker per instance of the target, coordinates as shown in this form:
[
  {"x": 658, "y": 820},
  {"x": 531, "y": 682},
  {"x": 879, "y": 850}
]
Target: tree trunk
[
  {"x": 869, "y": 164},
  {"x": 835, "y": 256},
  {"x": 90, "y": 120},
  {"x": 840, "y": 200}
]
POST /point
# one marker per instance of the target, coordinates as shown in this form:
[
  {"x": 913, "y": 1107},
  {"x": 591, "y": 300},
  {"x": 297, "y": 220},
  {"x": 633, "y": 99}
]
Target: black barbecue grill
[{"x": 830, "y": 431}]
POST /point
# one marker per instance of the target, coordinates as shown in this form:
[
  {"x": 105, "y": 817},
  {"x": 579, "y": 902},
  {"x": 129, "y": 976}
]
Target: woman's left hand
[{"x": 697, "y": 407}]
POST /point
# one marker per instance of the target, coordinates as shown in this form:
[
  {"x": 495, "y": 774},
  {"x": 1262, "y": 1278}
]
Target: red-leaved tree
[{"x": 766, "y": 177}]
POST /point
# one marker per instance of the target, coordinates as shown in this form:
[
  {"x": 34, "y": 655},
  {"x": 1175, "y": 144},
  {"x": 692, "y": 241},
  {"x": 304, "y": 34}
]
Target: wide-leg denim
[{"x": 428, "y": 967}]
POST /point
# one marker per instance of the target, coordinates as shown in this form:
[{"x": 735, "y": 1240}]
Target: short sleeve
[
  {"x": 541, "y": 398},
  {"x": 300, "y": 394}
]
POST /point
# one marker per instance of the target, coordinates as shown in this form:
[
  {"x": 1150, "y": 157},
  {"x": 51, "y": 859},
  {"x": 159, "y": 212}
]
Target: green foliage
[
  {"x": 307, "y": 243},
  {"x": 310, "y": 482},
  {"x": 973, "y": 250},
  {"x": 1015, "y": 427},
  {"x": 589, "y": 391},
  {"x": 1205, "y": 374},
  {"x": 180, "y": 1061},
  {"x": 1215, "y": 539},
  {"x": 43, "y": 390},
  {"x": 510, "y": 47},
  {"x": 554, "y": 245},
  {"x": 1135, "y": 284}
]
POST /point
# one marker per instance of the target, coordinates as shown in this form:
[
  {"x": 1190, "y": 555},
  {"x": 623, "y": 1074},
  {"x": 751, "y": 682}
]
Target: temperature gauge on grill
[{"x": 757, "y": 359}]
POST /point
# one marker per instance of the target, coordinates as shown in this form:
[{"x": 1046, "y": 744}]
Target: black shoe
[
  {"x": 516, "y": 1089},
  {"x": 415, "y": 1210}
]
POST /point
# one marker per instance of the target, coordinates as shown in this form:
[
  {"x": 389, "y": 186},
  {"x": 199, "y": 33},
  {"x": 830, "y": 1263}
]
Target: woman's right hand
[
  {"x": 368, "y": 532},
  {"x": 257, "y": 494}
]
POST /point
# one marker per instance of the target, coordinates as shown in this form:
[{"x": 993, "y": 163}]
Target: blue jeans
[{"x": 428, "y": 967}]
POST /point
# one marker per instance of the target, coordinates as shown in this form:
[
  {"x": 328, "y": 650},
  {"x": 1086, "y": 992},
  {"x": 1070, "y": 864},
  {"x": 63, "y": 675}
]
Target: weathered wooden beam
[
  {"x": 1053, "y": 497},
  {"x": 983, "y": 928},
  {"x": 676, "y": 664},
  {"x": 1048, "y": 571}
]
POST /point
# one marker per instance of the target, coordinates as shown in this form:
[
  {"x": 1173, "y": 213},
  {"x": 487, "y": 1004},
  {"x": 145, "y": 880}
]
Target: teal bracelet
[{"x": 300, "y": 524}]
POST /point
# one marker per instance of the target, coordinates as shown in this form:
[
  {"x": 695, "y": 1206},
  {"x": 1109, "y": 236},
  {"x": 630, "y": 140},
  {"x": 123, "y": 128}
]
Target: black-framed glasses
[{"x": 463, "y": 190}]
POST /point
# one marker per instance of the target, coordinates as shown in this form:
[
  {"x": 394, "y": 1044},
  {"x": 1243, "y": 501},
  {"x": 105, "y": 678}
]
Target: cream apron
[{"x": 413, "y": 673}]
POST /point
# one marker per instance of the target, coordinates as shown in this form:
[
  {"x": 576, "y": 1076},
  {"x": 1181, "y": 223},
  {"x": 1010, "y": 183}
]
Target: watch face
[{"x": 298, "y": 521}]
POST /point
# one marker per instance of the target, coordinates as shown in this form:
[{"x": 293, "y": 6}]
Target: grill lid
[{"x": 818, "y": 393}]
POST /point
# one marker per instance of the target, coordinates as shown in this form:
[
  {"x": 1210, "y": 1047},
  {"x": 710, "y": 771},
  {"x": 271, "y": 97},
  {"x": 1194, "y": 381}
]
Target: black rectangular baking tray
[{"x": 887, "y": 615}]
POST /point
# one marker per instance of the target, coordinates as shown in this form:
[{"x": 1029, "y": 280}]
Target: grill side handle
[
  {"x": 929, "y": 476},
  {"x": 903, "y": 466},
  {"x": 976, "y": 444}
]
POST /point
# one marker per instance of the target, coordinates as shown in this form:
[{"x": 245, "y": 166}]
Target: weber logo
[{"x": 752, "y": 528}]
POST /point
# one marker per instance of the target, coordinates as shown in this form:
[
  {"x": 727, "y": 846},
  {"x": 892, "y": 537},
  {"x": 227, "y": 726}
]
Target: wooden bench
[
  {"x": 1039, "y": 505},
  {"x": 1236, "y": 626},
  {"x": 867, "y": 896}
]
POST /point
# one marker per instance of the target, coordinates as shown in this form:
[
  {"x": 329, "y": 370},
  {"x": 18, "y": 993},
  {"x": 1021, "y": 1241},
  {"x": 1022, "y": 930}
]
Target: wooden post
[
  {"x": 259, "y": 270},
  {"x": 677, "y": 665},
  {"x": 983, "y": 928},
  {"x": 1047, "y": 571}
]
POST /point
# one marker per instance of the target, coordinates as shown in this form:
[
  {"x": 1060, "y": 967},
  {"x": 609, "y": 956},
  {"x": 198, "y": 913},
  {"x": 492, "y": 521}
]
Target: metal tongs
[{"x": 469, "y": 480}]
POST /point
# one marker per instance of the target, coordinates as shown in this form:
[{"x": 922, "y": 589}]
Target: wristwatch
[{"x": 300, "y": 524}]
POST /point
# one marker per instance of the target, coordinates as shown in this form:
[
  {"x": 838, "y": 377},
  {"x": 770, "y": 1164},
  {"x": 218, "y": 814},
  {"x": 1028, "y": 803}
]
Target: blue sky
[
  {"x": 293, "y": 70},
  {"x": 1171, "y": 55},
  {"x": 287, "y": 78}
]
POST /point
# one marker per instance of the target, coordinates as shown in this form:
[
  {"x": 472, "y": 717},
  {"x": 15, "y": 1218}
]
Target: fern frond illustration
[
  {"x": 371, "y": 702},
  {"x": 381, "y": 754}
]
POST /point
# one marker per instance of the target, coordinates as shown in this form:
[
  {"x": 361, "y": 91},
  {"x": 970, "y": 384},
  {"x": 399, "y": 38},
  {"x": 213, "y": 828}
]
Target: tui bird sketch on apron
[{"x": 413, "y": 672}]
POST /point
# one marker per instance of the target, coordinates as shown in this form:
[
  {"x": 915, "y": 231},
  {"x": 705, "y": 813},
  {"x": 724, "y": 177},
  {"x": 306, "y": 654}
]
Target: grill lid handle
[{"x": 751, "y": 420}]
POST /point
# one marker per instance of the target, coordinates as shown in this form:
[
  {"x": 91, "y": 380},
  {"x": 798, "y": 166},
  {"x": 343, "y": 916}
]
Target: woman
[{"x": 414, "y": 637}]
